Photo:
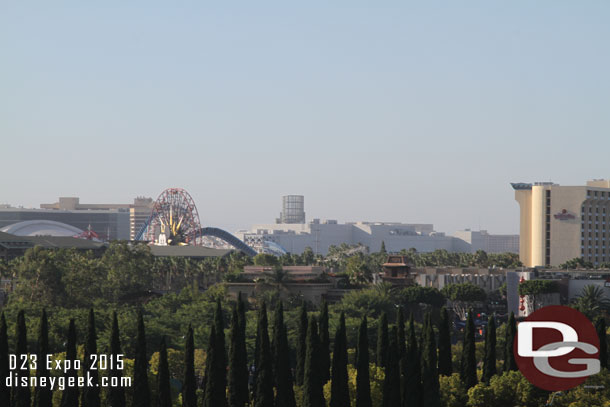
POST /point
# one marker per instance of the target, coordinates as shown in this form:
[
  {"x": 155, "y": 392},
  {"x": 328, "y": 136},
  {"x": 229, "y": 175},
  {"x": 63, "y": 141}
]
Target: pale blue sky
[{"x": 393, "y": 111}]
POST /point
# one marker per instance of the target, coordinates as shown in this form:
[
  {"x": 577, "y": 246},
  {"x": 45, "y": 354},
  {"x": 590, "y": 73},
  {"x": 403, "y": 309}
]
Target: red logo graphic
[
  {"x": 564, "y": 215},
  {"x": 557, "y": 348}
]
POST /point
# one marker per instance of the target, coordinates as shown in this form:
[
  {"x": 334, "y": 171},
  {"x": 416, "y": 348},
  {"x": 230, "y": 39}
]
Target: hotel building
[{"x": 559, "y": 223}]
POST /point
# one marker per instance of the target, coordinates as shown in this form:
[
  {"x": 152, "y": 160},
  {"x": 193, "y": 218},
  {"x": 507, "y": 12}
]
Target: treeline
[
  {"x": 410, "y": 360},
  {"x": 126, "y": 273}
]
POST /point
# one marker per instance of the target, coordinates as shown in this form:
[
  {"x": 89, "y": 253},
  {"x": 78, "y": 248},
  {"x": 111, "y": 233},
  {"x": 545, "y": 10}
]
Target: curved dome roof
[{"x": 41, "y": 228}]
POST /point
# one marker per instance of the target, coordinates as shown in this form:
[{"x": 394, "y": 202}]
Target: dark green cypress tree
[
  {"x": 301, "y": 345},
  {"x": 5, "y": 392},
  {"x": 22, "y": 396},
  {"x": 509, "y": 355},
  {"x": 382, "y": 249},
  {"x": 489, "y": 363},
  {"x": 401, "y": 335},
  {"x": 257, "y": 345},
  {"x": 412, "y": 387},
  {"x": 444, "y": 345},
  {"x": 91, "y": 395},
  {"x": 215, "y": 393},
  {"x": 220, "y": 340},
  {"x": 468, "y": 372},
  {"x": 238, "y": 363},
  {"x": 189, "y": 388},
  {"x": 241, "y": 311},
  {"x": 164, "y": 393},
  {"x": 141, "y": 390},
  {"x": 43, "y": 395},
  {"x": 281, "y": 362},
  {"x": 264, "y": 378},
  {"x": 324, "y": 344},
  {"x": 363, "y": 382},
  {"x": 116, "y": 394},
  {"x": 430, "y": 384},
  {"x": 600, "y": 327},
  {"x": 69, "y": 397},
  {"x": 382, "y": 341},
  {"x": 391, "y": 383},
  {"x": 313, "y": 394},
  {"x": 339, "y": 387}
]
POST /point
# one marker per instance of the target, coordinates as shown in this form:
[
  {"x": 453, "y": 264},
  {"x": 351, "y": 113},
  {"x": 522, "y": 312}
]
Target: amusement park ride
[{"x": 174, "y": 221}]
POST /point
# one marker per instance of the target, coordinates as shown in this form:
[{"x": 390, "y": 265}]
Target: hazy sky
[{"x": 392, "y": 111}]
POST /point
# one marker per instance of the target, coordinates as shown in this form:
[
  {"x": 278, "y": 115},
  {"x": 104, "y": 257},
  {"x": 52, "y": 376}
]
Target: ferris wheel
[{"x": 174, "y": 220}]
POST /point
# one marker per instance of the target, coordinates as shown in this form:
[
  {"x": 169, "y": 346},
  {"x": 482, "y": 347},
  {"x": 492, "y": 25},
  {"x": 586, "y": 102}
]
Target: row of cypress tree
[
  {"x": 412, "y": 363},
  {"x": 71, "y": 397}
]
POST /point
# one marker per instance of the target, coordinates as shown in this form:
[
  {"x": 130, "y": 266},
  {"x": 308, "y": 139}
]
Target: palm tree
[{"x": 591, "y": 301}]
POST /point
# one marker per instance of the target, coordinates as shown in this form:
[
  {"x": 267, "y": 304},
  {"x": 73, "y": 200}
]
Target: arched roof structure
[{"x": 41, "y": 227}]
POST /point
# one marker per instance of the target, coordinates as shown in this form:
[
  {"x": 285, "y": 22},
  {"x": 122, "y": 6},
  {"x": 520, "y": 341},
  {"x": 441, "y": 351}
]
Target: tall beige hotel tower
[{"x": 559, "y": 223}]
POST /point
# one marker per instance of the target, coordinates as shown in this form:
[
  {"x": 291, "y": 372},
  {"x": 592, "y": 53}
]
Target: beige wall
[
  {"x": 538, "y": 225},
  {"x": 565, "y": 234},
  {"x": 524, "y": 198}
]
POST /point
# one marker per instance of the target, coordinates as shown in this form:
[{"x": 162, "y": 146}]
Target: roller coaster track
[
  {"x": 229, "y": 238},
  {"x": 214, "y": 232}
]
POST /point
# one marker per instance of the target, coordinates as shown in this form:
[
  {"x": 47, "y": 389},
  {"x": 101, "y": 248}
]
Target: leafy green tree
[
  {"x": 69, "y": 397},
  {"x": 463, "y": 296},
  {"x": 444, "y": 345},
  {"x": 468, "y": 372},
  {"x": 382, "y": 250},
  {"x": 301, "y": 344},
  {"x": 452, "y": 391},
  {"x": 129, "y": 271},
  {"x": 263, "y": 259},
  {"x": 509, "y": 355},
  {"x": 116, "y": 394},
  {"x": 423, "y": 295},
  {"x": 5, "y": 392},
  {"x": 215, "y": 395},
  {"x": 480, "y": 395},
  {"x": 576, "y": 263},
  {"x": 412, "y": 388},
  {"x": 189, "y": 388},
  {"x": 91, "y": 395},
  {"x": 281, "y": 362},
  {"x": 238, "y": 361},
  {"x": 489, "y": 362},
  {"x": 363, "y": 386},
  {"x": 358, "y": 271},
  {"x": 22, "y": 394},
  {"x": 264, "y": 366},
  {"x": 382, "y": 341},
  {"x": 43, "y": 395},
  {"x": 535, "y": 291},
  {"x": 600, "y": 327},
  {"x": 430, "y": 383},
  {"x": 324, "y": 344},
  {"x": 371, "y": 301},
  {"x": 313, "y": 395},
  {"x": 513, "y": 389},
  {"x": 591, "y": 301},
  {"x": 164, "y": 394},
  {"x": 141, "y": 390},
  {"x": 39, "y": 274},
  {"x": 308, "y": 257},
  {"x": 391, "y": 383}
]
